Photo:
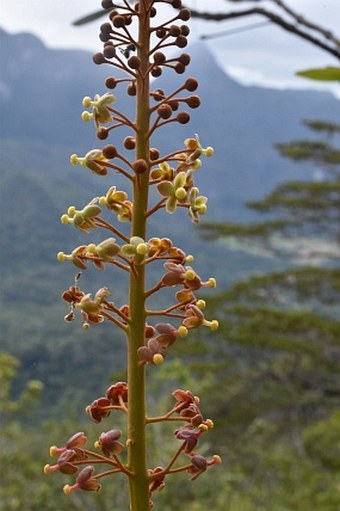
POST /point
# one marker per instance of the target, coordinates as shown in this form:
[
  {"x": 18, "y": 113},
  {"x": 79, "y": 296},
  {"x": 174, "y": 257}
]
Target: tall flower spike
[{"x": 136, "y": 43}]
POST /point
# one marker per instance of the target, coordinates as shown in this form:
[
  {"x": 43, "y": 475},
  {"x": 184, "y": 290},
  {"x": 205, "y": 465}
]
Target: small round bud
[
  {"x": 154, "y": 154},
  {"x": 191, "y": 84},
  {"x": 160, "y": 33},
  {"x": 209, "y": 152},
  {"x": 53, "y": 451},
  {"x": 102, "y": 133},
  {"x": 131, "y": 89},
  {"x": 109, "y": 52},
  {"x": 118, "y": 21},
  {"x": 110, "y": 82},
  {"x": 184, "y": 14},
  {"x": 174, "y": 105},
  {"x": 86, "y": 326},
  {"x": 182, "y": 331},
  {"x": 209, "y": 423},
  {"x": 176, "y": 4},
  {"x": 185, "y": 30},
  {"x": 64, "y": 219},
  {"x": 142, "y": 249},
  {"x": 174, "y": 30},
  {"x": 179, "y": 68},
  {"x": 86, "y": 116},
  {"x": 217, "y": 459},
  {"x": 106, "y": 27},
  {"x": 212, "y": 282},
  {"x": 159, "y": 58},
  {"x": 47, "y": 469},
  {"x": 104, "y": 37},
  {"x": 109, "y": 152},
  {"x": 74, "y": 159},
  {"x": 184, "y": 59},
  {"x": 61, "y": 257},
  {"x": 181, "y": 41},
  {"x": 201, "y": 304},
  {"x": 153, "y": 12},
  {"x": 134, "y": 62},
  {"x": 91, "y": 248},
  {"x": 140, "y": 166},
  {"x": 183, "y": 118},
  {"x": 129, "y": 143},
  {"x": 202, "y": 209},
  {"x": 158, "y": 95},
  {"x": 71, "y": 211},
  {"x": 190, "y": 274},
  {"x": 214, "y": 325},
  {"x": 189, "y": 258},
  {"x": 203, "y": 427},
  {"x": 158, "y": 359},
  {"x": 98, "y": 58},
  {"x": 107, "y": 4},
  {"x": 156, "y": 71},
  {"x": 181, "y": 193},
  {"x": 193, "y": 101},
  {"x": 164, "y": 111},
  {"x": 87, "y": 101},
  {"x": 67, "y": 489}
]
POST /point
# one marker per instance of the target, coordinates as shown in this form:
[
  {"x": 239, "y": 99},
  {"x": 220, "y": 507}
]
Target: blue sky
[{"x": 267, "y": 56}]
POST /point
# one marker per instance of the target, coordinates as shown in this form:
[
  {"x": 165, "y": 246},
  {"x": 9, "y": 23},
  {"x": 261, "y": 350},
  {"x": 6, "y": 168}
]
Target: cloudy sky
[{"x": 265, "y": 56}]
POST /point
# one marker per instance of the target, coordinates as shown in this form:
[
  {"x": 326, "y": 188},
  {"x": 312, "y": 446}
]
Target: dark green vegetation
[{"x": 272, "y": 381}]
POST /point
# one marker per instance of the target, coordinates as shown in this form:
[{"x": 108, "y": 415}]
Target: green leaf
[
  {"x": 327, "y": 74},
  {"x": 89, "y": 18}
]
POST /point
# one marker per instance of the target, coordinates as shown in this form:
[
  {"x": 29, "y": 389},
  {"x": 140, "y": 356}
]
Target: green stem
[{"x": 139, "y": 484}]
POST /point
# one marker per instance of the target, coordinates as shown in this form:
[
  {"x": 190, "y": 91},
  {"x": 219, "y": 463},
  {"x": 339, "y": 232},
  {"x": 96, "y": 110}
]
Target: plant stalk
[{"x": 139, "y": 484}]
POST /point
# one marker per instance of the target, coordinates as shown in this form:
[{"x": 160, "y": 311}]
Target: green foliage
[{"x": 326, "y": 74}]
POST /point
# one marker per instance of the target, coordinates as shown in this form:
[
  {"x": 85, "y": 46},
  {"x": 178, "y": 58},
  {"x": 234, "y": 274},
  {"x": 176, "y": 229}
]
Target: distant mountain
[
  {"x": 40, "y": 100},
  {"x": 40, "y": 104}
]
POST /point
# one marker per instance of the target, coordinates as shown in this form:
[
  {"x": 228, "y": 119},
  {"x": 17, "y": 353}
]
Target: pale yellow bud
[
  {"x": 53, "y": 450},
  {"x": 158, "y": 359},
  {"x": 212, "y": 282},
  {"x": 67, "y": 489},
  {"x": 61, "y": 256},
  {"x": 190, "y": 274},
  {"x": 74, "y": 159},
  {"x": 47, "y": 469},
  {"x": 86, "y": 116},
  {"x": 142, "y": 249},
  {"x": 71, "y": 211},
  {"x": 201, "y": 304},
  {"x": 64, "y": 219},
  {"x": 214, "y": 325},
  {"x": 87, "y": 101},
  {"x": 181, "y": 193},
  {"x": 182, "y": 331}
]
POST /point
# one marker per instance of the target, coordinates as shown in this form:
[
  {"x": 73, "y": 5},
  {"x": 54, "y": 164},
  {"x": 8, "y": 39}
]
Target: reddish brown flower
[
  {"x": 158, "y": 476},
  {"x": 189, "y": 436},
  {"x": 109, "y": 442},
  {"x": 85, "y": 481},
  {"x": 65, "y": 463},
  {"x": 116, "y": 391},
  {"x": 99, "y": 409}
]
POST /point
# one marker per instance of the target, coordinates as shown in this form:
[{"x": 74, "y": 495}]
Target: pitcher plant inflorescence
[{"x": 140, "y": 58}]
